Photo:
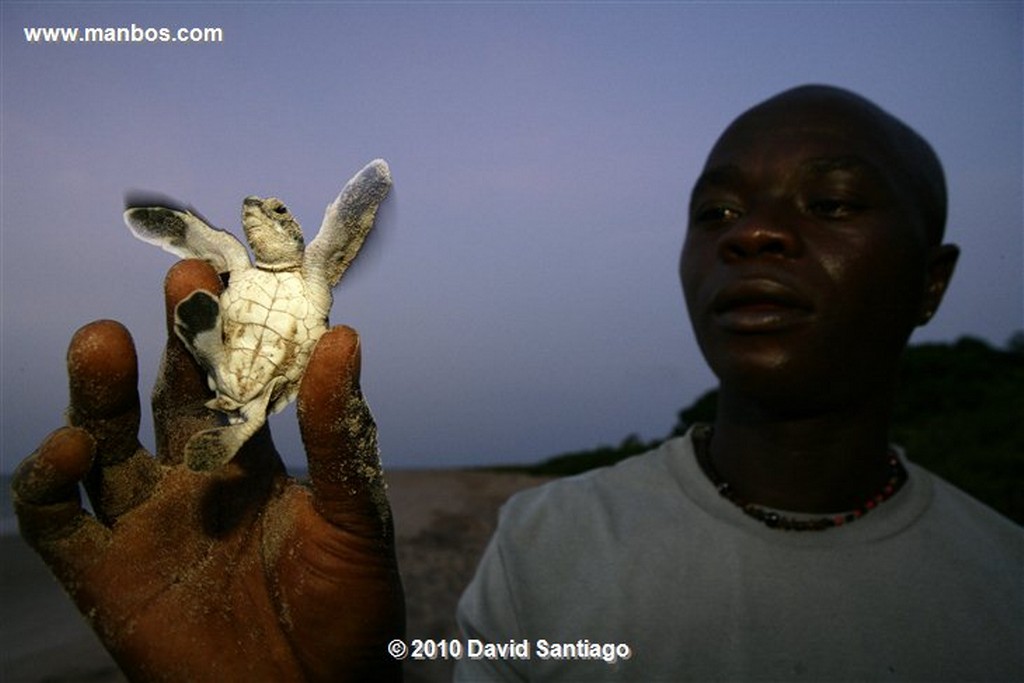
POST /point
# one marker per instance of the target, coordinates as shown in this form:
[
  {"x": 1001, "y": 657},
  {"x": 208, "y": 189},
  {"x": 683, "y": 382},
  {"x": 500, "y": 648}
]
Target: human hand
[{"x": 237, "y": 574}]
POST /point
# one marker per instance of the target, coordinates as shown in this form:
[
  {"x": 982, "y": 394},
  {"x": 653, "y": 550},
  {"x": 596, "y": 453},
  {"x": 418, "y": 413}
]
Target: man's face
[{"x": 805, "y": 260}]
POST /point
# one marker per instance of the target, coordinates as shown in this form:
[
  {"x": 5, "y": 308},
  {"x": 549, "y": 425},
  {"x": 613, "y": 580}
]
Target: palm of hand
[{"x": 242, "y": 573}]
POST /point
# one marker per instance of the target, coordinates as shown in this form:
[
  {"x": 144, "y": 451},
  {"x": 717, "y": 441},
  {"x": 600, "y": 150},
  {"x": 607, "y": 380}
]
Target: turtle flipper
[
  {"x": 185, "y": 234},
  {"x": 197, "y": 323},
  {"x": 347, "y": 222},
  {"x": 211, "y": 448}
]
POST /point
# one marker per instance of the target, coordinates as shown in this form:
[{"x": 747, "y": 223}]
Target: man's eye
[
  {"x": 834, "y": 209},
  {"x": 715, "y": 214}
]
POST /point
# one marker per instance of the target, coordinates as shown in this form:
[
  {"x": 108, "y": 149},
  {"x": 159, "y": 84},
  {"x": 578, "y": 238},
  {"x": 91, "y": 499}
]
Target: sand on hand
[{"x": 443, "y": 519}]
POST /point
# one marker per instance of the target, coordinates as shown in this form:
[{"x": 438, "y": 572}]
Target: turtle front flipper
[
  {"x": 347, "y": 222},
  {"x": 211, "y": 448},
  {"x": 197, "y": 322},
  {"x": 185, "y": 234}
]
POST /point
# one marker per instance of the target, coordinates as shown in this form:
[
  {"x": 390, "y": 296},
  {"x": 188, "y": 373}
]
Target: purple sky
[{"x": 521, "y": 298}]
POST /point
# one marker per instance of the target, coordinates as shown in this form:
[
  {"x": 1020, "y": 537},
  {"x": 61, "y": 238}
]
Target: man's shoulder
[
  {"x": 955, "y": 510},
  {"x": 650, "y": 478}
]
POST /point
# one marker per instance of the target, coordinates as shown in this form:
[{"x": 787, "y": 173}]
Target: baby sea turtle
[{"x": 255, "y": 339}]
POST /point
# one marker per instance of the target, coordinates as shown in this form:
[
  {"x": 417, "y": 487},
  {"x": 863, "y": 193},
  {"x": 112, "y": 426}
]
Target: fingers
[
  {"x": 181, "y": 390},
  {"x": 103, "y": 379},
  {"x": 341, "y": 438},
  {"x": 46, "y": 497}
]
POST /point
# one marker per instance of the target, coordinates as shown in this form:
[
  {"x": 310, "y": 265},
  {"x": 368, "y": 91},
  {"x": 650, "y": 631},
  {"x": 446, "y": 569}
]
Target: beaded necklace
[{"x": 772, "y": 519}]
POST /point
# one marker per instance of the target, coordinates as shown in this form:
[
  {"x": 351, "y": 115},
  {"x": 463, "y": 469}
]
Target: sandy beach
[{"x": 443, "y": 519}]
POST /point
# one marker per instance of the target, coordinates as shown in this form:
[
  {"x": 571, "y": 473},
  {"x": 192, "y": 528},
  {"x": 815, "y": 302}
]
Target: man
[{"x": 786, "y": 541}]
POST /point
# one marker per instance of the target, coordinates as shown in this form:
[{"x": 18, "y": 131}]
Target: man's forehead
[
  {"x": 810, "y": 133},
  {"x": 828, "y": 121},
  {"x": 809, "y": 130}
]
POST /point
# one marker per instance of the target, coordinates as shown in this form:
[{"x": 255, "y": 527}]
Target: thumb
[{"x": 340, "y": 437}]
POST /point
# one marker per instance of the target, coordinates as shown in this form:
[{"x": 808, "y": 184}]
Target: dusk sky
[{"x": 521, "y": 297}]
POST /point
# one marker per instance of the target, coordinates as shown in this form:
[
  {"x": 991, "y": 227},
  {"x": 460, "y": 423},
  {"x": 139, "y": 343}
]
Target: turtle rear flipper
[
  {"x": 211, "y": 448},
  {"x": 197, "y": 323}
]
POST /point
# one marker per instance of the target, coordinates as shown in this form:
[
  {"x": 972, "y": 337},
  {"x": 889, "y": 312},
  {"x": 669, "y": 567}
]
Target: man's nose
[{"x": 765, "y": 231}]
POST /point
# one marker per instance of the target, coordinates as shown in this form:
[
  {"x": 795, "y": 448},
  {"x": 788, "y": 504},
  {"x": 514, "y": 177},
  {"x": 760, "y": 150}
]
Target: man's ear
[{"x": 941, "y": 262}]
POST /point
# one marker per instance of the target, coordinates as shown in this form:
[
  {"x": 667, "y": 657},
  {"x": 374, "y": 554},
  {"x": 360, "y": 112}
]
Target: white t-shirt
[{"x": 646, "y": 555}]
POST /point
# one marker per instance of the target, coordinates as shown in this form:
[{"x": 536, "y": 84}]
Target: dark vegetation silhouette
[{"x": 959, "y": 412}]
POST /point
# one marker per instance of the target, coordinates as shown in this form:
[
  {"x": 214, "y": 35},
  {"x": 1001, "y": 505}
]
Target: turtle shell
[{"x": 270, "y": 326}]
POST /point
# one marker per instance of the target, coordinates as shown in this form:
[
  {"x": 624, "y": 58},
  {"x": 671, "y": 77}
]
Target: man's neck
[{"x": 815, "y": 463}]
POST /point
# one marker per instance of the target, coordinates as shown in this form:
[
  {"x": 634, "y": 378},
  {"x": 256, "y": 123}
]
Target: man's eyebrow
[
  {"x": 731, "y": 175},
  {"x": 848, "y": 162}
]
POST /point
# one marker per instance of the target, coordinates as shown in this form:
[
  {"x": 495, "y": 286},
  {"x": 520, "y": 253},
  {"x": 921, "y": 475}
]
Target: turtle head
[{"x": 273, "y": 234}]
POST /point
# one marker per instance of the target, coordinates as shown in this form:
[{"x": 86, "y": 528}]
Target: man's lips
[{"x": 759, "y": 305}]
